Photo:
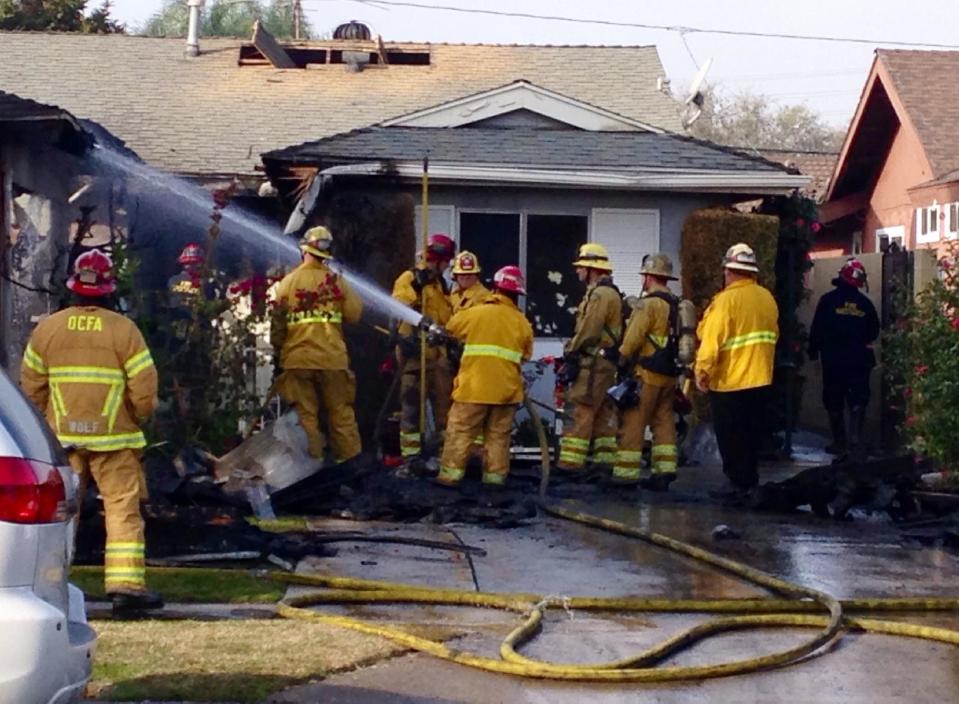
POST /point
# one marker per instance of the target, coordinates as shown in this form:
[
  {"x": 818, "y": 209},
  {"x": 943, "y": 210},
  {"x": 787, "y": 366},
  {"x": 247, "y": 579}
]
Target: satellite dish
[{"x": 695, "y": 97}]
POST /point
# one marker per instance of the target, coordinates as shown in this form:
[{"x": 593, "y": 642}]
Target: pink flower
[
  {"x": 910, "y": 421},
  {"x": 816, "y": 227},
  {"x": 955, "y": 323},
  {"x": 921, "y": 369}
]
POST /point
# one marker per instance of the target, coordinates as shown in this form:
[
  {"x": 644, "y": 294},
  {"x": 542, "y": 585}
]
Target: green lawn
[{"x": 190, "y": 585}]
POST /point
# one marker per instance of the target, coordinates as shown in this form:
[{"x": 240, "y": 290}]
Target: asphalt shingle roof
[
  {"x": 527, "y": 147},
  {"x": 818, "y": 165},
  {"x": 924, "y": 82},
  {"x": 210, "y": 115}
]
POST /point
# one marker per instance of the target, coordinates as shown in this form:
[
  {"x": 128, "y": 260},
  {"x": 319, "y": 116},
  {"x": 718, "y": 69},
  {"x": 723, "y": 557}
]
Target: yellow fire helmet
[
  {"x": 466, "y": 263},
  {"x": 317, "y": 241},
  {"x": 594, "y": 256}
]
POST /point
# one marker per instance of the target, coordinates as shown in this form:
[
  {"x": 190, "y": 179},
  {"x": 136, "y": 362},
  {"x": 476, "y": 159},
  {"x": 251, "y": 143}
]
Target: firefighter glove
[{"x": 422, "y": 277}]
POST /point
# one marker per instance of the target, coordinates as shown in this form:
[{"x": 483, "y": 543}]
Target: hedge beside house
[{"x": 708, "y": 233}]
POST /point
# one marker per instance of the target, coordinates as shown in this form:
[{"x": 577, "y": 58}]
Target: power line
[{"x": 662, "y": 27}]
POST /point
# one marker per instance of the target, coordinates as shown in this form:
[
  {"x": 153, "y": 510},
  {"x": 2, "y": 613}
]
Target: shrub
[{"x": 921, "y": 356}]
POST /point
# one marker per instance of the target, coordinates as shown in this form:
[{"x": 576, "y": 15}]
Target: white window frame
[
  {"x": 952, "y": 220},
  {"x": 927, "y": 224},
  {"x": 896, "y": 233},
  {"x": 655, "y": 212}
]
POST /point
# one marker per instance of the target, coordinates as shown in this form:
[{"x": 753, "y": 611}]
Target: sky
[{"x": 826, "y": 76}]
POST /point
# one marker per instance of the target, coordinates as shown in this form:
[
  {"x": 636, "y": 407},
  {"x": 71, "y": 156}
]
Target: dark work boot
[
  {"x": 857, "y": 445},
  {"x": 658, "y": 482},
  {"x": 126, "y": 603},
  {"x": 837, "y": 424}
]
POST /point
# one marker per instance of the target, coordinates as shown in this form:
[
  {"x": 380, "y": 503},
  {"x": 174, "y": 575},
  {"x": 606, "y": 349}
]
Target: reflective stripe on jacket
[
  {"x": 437, "y": 308},
  {"x": 464, "y": 299},
  {"x": 89, "y": 371},
  {"x": 599, "y": 322},
  {"x": 497, "y": 338},
  {"x": 312, "y": 305},
  {"x": 650, "y": 319},
  {"x": 738, "y": 336}
]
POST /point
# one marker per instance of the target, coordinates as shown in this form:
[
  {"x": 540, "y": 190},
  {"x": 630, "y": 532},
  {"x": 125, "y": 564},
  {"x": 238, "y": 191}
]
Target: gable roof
[
  {"x": 904, "y": 89},
  {"x": 924, "y": 82},
  {"x": 210, "y": 115},
  {"x": 519, "y": 96},
  {"x": 559, "y": 157}
]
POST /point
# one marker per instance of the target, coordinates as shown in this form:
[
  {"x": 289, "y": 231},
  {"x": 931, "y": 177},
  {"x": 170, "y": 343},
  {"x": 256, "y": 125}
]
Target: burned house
[{"x": 51, "y": 209}]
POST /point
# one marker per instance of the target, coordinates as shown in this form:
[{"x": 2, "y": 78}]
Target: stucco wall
[{"x": 890, "y": 204}]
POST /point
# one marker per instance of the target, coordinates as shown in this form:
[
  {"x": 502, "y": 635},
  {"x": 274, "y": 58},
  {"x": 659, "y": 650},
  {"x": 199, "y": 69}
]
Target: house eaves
[
  {"x": 746, "y": 182},
  {"x": 520, "y": 95}
]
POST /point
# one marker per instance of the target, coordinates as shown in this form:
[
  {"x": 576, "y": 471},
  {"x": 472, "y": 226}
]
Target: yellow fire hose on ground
[{"x": 795, "y": 609}]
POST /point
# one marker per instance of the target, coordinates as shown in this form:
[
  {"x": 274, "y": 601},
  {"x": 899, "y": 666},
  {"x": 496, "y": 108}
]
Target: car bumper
[{"x": 46, "y": 656}]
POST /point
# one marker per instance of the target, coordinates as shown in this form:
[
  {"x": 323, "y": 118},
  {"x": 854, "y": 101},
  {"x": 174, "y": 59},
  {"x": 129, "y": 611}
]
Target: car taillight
[{"x": 31, "y": 492}]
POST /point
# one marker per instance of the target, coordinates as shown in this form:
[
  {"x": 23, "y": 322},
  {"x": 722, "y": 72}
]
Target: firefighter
[
  {"x": 90, "y": 372},
  {"x": 496, "y": 338},
  {"x": 843, "y": 329},
  {"x": 469, "y": 290},
  {"x": 647, "y": 353},
  {"x": 734, "y": 363},
  {"x": 312, "y": 303},
  {"x": 589, "y": 368},
  {"x": 424, "y": 282},
  {"x": 186, "y": 285}
]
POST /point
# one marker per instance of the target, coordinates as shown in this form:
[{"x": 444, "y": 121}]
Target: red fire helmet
[
  {"x": 510, "y": 279},
  {"x": 853, "y": 273},
  {"x": 92, "y": 275},
  {"x": 192, "y": 254},
  {"x": 440, "y": 248}
]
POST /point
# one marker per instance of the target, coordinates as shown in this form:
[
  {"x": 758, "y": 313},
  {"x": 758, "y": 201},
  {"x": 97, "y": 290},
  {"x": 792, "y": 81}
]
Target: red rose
[
  {"x": 910, "y": 421},
  {"x": 921, "y": 369},
  {"x": 816, "y": 226},
  {"x": 955, "y": 323}
]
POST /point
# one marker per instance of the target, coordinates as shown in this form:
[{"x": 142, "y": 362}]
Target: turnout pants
[
  {"x": 119, "y": 477},
  {"x": 467, "y": 421},
  {"x": 845, "y": 384},
  {"x": 439, "y": 387},
  {"x": 593, "y": 423},
  {"x": 738, "y": 419},
  {"x": 655, "y": 409},
  {"x": 326, "y": 392}
]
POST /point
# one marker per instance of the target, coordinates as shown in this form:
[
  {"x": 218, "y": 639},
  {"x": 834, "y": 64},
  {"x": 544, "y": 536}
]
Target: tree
[
  {"x": 57, "y": 16},
  {"x": 227, "y": 18},
  {"x": 754, "y": 121}
]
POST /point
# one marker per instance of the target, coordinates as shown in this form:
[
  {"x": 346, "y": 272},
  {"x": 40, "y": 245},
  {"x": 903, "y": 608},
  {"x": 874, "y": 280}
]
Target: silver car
[{"x": 46, "y": 646}]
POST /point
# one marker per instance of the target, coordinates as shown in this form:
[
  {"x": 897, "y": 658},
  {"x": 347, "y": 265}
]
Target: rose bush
[{"x": 921, "y": 356}]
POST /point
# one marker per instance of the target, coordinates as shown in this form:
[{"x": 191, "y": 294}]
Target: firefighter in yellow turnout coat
[
  {"x": 599, "y": 325},
  {"x": 312, "y": 305},
  {"x": 647, "y": 332},
  {"x": 496, "y": 339},
  {"x": 89, "y": 371},
  {"x": 469, "y": 290},
  {"x": 425, "y": 280}
]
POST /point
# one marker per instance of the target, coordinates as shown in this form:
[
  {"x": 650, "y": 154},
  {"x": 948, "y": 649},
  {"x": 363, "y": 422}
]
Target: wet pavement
[{"x": 866, "y": 557}]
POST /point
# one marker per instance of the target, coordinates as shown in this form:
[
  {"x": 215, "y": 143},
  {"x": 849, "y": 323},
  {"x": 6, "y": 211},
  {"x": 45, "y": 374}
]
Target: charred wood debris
[{"x": 192, "y": 518}]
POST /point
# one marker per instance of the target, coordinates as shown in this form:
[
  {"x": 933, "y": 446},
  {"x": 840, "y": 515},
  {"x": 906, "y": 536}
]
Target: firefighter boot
[
  {"x": 131, "y": 602},
  {"x": 857, "y": 446},
  {"x": 837, "y": 424},
  {"x": 657, "y": 482}
]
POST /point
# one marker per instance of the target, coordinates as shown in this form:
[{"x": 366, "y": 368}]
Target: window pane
[
  {"x": 552, "y": 242},
  {"x": 493, "y": 238}
]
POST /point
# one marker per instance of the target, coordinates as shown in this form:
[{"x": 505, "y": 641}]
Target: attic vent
[{"x": 353, "y": 30}]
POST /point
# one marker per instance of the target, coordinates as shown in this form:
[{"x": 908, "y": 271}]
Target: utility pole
[{"x": 297, "y": 17}]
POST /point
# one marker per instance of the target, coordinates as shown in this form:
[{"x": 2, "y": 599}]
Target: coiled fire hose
[{"x": 797, "y": 608}]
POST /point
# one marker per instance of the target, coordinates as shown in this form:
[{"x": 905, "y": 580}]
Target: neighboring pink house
[{"x": 897, "y": 178}]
